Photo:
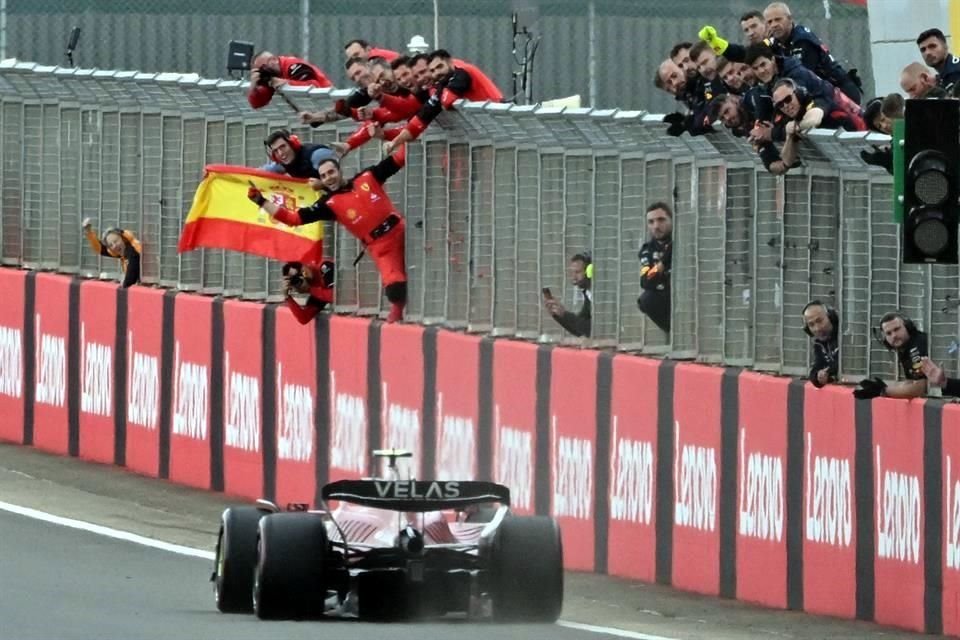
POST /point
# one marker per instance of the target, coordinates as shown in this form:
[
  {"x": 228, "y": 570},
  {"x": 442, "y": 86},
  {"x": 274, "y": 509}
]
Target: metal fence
[
  {"x": 604, "y": 50},
  {"x": 497, "y": 198}
]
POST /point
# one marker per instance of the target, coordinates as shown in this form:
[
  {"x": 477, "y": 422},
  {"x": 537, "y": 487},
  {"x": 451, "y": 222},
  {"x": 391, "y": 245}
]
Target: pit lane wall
[{"x": 714, "y": 480}]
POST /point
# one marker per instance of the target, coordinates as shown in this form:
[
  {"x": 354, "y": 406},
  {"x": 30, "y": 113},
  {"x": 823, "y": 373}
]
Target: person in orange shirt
[{"x": 120, "y": 244}]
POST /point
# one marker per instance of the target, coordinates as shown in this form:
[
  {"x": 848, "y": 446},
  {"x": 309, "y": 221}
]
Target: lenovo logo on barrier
[
  {"x": 952, "y": 525},
  {"x": 898, "y": 515},
  {"x": 761, "y": 494},
  {"x": 294, "y": 420},
  {"x": 695, "y": 485},
  {"x": 514, "y": 467},
  {"x": 96, "y": 394},
  {"x": 189, "y": 398},
  {"x": 11, "y": 362},
  {"x": 51, "y": 356},
  {"x": 403, "y": 489},
  {"x": 348, "y": 450},
  {"x": 401, "y": 425},
  {"x": 631, "y": 479},
  {"x": 829, "y": 510},
  {"x": 242, "y": 410},
  {"x": 143, "y": 387},
  {"x": 572, "y": 476},
  {"x": 456, "y": 447}
]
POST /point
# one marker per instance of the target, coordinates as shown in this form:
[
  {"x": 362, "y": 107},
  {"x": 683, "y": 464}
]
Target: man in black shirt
[
  {"x": 822, "y": 324},
  {"x": 581, "y": 273},
  {"x": 655, "y": 257},
  {"x": 898, "y": 333},
  {"x": 933, "y": 48}
]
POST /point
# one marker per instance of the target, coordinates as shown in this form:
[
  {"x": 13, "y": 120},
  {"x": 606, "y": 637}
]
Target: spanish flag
[{"x": 223, "y": 218}]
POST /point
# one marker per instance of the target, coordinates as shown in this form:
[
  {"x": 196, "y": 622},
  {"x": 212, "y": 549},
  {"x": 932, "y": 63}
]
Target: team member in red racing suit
[
  {"x": 455, "y": 79},
  {"x": 270, "y": 72},
  {"x": 315, "y": 280},
  {"x": 364, "y": 208}
]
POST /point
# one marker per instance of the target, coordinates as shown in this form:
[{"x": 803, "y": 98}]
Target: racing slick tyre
[
  {"x": 527, "y": 570},
  {"x": 236, "y": 559},
  {"x": 289, "y": 578}
]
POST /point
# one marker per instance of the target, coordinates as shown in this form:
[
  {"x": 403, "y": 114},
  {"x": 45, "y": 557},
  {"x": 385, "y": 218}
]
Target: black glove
[
  {"x": 870, "y": 388},
  {"x": 678, "y": 123},
  {"x": 880, "y": 157},
  {"x": 255, "y": 196}
]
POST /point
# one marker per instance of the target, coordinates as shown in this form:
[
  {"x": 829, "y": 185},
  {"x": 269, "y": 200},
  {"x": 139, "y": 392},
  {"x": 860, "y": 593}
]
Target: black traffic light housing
[{"x": 931, "y": 189}]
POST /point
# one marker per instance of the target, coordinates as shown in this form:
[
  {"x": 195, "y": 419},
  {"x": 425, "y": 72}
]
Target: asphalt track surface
[{"x": 62, "y": 582}]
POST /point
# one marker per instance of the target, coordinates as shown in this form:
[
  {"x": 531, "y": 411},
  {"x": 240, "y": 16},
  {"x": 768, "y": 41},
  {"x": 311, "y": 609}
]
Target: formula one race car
[{"x": 391, "y": 549}]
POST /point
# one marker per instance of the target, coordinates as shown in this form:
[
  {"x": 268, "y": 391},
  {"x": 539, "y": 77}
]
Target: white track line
[
  {"x": 208, "y": 555},
  {"x": 106, "y": 531}
]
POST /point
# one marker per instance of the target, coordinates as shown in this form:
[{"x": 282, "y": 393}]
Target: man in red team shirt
[
  {"x": 270, "y": 72},
  {"x": 363, "y": 207},
  {"x": 453, "y": 80},
  {"x": 358, "y": 48},
  {"x": 315, "y": 280}
]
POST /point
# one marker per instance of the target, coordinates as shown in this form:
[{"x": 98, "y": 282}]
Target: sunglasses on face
[{"x": 787, "y": 99}]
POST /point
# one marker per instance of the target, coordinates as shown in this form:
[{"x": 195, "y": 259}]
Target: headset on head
[
  {"x": 887, "y": 317},
  {"x": 587, "y": 259},
  {"x": 284, "y": 134},
  {"x": 832, "y": 315},
  {"x": 798, "y": 90}
]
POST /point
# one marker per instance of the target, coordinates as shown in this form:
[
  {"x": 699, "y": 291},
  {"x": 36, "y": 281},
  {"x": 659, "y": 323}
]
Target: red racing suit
[
  {"x": 467, "y": 82},
  {"x": 297, "y": 73},
  {"x": 321, "y": 293},
  {"x": 363, "y": 207}
]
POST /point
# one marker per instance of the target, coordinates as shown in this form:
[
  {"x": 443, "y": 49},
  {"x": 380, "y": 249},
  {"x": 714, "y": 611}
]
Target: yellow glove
[{"x": 709, "y": 35}]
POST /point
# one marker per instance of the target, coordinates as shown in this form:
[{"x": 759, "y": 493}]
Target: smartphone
[{"x": 546, "y": 292}]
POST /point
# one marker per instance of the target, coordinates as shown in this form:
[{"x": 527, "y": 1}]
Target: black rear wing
[{"x": 416, "y": 495}]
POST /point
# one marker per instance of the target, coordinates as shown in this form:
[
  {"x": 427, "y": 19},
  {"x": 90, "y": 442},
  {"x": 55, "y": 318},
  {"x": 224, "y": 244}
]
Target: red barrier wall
[
  {"x": 349, "y": 451},
  {"x": 696, "y": 478},
  {"x": 98, "y": 318},
  {"x": 190, "y": 399},
  {"x": 761, "y": 490},
  {"x": 951, "y": 519},
  {"x": 12, "y": 354},
  {"x": 296, "y": 393},
  {"x": 898, "y": 512},
  {"x": 573, "y": 445},
  {"x": 458, "y": 365},
  {"x": 144, "y": 343},
  {"x": 515, "y": 421},
  {"x": 829, "y": 502},
  {"x": 633, "y": 464},
  {"x": 242, "y": 409},
  {"x": 401, "y": 394},
  {"x": 51, "y": 331}
]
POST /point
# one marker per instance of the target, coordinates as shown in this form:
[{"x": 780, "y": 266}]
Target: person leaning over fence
[
  {"x": 294, "y": 158},
  {"x": 314, "y": 280},
  {"x": 581, "y": 276},
  {"x": 655, "y": 258},
  {"x": 361, "y": 205},
  {"x": 271, "y": 72},
  {"x": 822, "y": 323},
  {"x": 120, "y": 244},
  {"x": 898, "y": 333}
]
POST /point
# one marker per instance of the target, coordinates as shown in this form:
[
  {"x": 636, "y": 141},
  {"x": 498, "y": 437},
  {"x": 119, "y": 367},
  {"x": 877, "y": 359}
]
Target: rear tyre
[
  {"x": 527, "y": 570},
  {"x": 236, "y": 558},
  {"x": 289, "y": 580}
]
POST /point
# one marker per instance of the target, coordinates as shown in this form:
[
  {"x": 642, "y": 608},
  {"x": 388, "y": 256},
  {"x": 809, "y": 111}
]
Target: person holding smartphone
[{"x": 581, "y": 273}]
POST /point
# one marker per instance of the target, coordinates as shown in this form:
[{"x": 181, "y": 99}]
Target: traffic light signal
[{"x": 931, "y": 181}]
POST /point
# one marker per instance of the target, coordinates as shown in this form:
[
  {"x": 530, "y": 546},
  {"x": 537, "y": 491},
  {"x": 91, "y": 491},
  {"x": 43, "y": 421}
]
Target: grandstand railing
[{"x": 497, "y": 198}]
